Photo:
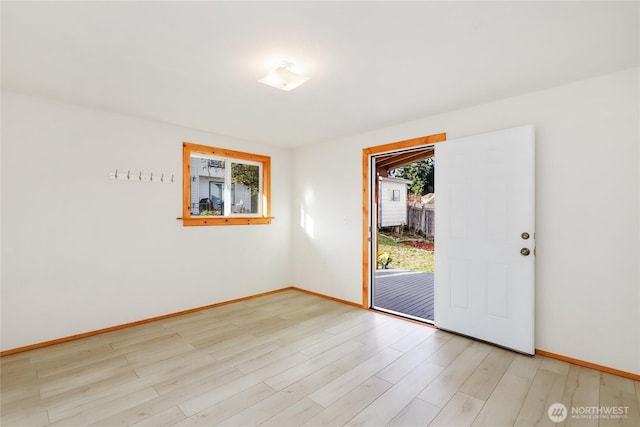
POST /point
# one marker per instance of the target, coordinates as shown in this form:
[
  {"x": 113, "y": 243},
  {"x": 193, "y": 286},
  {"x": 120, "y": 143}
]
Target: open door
[{"x": 484, "y": 261}]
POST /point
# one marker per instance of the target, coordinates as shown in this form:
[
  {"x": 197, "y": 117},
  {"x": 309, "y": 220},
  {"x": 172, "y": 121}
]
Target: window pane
[
  {"x": 245, "y": 188},
  {"x": 207, "y": 186}
]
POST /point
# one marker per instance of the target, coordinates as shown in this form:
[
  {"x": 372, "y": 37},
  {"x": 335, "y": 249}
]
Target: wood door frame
[{"x": 366, "y": 154}]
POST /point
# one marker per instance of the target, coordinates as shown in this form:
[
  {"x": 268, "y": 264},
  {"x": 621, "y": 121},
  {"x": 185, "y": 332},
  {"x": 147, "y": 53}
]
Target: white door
[{"x": 484, "y": 260}]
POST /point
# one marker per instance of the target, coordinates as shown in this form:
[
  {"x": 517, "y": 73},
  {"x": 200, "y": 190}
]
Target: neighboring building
[
  {"x": 392, "y": 201},
  {"x": 207, "y": 189}
]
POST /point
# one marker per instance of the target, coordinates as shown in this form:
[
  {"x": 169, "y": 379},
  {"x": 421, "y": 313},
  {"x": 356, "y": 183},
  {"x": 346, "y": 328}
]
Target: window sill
[{"x": 210, "y": 221}]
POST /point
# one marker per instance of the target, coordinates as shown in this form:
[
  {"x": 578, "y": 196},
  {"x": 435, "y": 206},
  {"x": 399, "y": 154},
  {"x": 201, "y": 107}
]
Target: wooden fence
[{"x": 422, "y": 218}]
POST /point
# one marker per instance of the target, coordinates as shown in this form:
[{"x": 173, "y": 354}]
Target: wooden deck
[{"x": 404, "y": 291}]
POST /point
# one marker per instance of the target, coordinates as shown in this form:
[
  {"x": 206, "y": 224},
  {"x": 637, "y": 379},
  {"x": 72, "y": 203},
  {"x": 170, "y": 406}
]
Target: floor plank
[
  {"x": 291, "y": 358},
  {"x": 546, "y": 389},
  {"x": 168, "y": 417},
  {"x": 416, "y": 413},
  {"x": 229, "y": 407},
  {"x": 581, "y": 390},
  {"x": 412, "y": 358},
  {"x": 617, "y": 401},
  {"x": 351, "y": 379},
  {"x": 460, "y": 411},
  {"x": 395, "y": 399},
  {"x": 503, "y": 406},
  {"x": 485, "y": 378},
  {"x": 282, "y": 400},
  {"x": 453, "y": 376},
  {"x": 343, "y": 409}
]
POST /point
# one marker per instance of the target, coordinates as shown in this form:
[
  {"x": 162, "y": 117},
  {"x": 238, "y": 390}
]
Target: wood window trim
[
  {"x": 366, "y": 154},
  {"x": 188, "y": 220}
]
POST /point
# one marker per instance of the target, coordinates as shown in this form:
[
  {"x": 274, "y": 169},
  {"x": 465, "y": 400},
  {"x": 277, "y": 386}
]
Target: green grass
[{"x": 405, "y": 257}]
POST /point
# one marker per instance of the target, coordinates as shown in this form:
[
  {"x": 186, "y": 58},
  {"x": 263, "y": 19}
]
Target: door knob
[
  {"x": 525, "y": 235},
  {"x": 525, "y": 251}
]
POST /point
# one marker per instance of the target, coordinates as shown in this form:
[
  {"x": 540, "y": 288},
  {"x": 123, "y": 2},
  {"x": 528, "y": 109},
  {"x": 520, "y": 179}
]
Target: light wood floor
[{"x": 295, "y": 359}]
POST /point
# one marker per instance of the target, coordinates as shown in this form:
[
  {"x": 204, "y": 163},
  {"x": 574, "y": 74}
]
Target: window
[
  {"x": 395, "y": 195},
  {"x": 224, "y": 187}
]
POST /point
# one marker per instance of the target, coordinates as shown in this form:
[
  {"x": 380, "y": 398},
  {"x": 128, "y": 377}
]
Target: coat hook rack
[{"x": 140, "y": 176}]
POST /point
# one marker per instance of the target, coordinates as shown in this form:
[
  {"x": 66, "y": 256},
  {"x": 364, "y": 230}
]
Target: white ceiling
[{"x": 372, "y": 64}]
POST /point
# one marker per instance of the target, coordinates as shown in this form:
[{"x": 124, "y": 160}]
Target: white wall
[
  {"x": 587, "y": 225},
  {"x": 81, "y": 252}
]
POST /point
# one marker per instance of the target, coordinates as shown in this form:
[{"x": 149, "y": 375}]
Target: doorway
[
  {"x": 371, "y": 189},
  {"x": 402, "y": 281}
]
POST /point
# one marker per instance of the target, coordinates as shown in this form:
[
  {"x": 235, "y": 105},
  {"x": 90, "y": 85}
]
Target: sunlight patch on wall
[{"x": 306, "y": 222}]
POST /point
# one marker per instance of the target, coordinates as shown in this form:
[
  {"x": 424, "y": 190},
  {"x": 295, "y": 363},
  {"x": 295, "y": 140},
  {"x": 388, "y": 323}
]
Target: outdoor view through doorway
[{"x": 403, "y": 237}]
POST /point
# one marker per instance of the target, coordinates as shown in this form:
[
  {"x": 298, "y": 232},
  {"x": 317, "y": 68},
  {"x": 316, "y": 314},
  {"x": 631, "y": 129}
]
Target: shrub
[{"x": 384, "y": 259}]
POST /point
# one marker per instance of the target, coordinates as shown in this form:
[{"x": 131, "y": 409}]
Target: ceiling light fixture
[{"x": 284, "y": 77}]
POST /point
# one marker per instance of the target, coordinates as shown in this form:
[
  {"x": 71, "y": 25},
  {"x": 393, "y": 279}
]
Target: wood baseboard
[
  {"x": 595, "y": 366},
  {"x": 131, "y": 324},
  {"x": 327, "y": 297},
  {"x": 549, "y": 354}
]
